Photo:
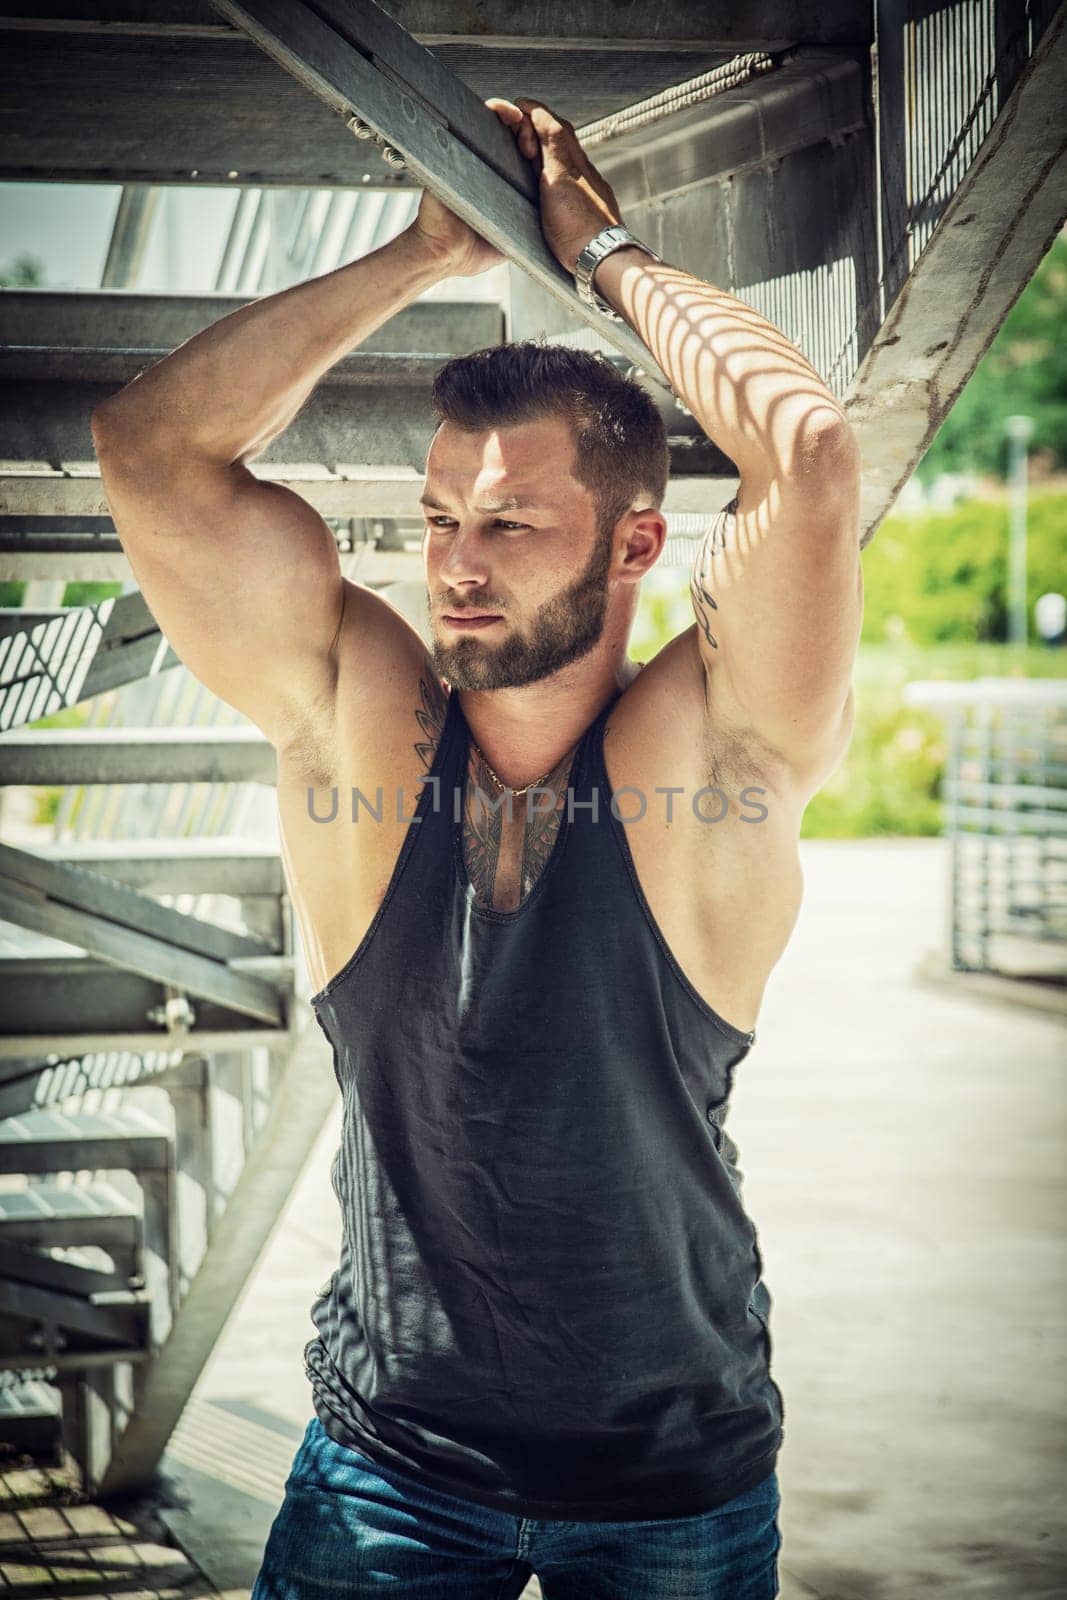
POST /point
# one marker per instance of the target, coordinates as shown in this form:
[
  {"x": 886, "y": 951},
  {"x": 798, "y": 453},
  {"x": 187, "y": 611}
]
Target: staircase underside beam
[
  {"x": 191, "y": 100},
  {"x": 460, "y": 153},
  {"x": 102, "y": 560},
  {"x": 122, "y": 1329},
  {"x": 995, "y": 229},
  {"x": 131, "y": 950},
  {"x": 82, "y": 889},
  {"x": 550, "y": 27},
  {"x": 238, "y": 754},
  {"x": 180, "y": 109},
  {"x": 118, "y": 319},
  {"x": 385, "y": 422},
  {"x": 350, "y": 492},
  {"x": 67, "y": 1006},
  {"x": 210, "y": 865}
]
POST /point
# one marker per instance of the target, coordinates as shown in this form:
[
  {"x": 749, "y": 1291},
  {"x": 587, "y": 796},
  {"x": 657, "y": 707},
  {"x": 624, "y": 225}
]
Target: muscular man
[{"x": 546, "y": 1346}]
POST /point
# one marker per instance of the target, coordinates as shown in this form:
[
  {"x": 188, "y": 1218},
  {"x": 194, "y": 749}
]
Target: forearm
[
  {"x": 748, "y": 386},
  {"x": 226, "y": 392}
]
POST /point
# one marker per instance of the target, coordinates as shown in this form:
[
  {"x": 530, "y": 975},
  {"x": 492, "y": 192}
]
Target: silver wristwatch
[{"x": 609, "y": 239}]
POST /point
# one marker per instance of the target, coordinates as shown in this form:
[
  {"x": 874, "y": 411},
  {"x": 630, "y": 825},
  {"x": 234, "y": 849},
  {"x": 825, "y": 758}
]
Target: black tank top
[{"x": 550, "y": 1298}]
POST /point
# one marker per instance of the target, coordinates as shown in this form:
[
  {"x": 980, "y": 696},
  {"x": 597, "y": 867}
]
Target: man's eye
[{"x": 500, "y": 522}]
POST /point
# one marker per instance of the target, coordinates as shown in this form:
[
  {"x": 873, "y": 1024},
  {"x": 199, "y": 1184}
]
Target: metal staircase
[
  {"x": 881, "y": 180},
  {"x": 160, "y": 1081}
]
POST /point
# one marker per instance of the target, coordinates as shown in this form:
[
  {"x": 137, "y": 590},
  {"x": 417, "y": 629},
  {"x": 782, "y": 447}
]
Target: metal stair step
[
  {"x": 55, "y": 1141},
  {"x": 88, "y": 1272},
  {"x": 40, "y": 1325},
  {"x": 53, "y": 1214},
  {"x": 31, "y": 1417}
]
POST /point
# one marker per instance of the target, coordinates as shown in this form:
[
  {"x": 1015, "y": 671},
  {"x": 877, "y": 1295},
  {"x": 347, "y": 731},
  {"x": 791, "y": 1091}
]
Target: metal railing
[{"x": 1005, "y": 794}]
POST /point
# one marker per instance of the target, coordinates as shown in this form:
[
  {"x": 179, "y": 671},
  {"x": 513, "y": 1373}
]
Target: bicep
[
  {"x": 243, "y": 578},
  {"x": 777, "y": 591}
]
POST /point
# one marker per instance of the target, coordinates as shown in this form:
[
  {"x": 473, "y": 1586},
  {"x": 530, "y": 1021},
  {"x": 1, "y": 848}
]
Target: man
[{"x": 545, "y": 1348}]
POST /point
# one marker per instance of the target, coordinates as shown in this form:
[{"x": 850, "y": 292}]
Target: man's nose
[{"x": 465, "y": 560}]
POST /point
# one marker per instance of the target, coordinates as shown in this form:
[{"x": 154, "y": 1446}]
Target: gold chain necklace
[{"x": 536, "y": 784}]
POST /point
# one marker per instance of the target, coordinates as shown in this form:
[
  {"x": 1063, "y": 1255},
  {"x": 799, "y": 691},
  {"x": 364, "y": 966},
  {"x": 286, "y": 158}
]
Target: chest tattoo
[{"x": 505, "y": 858}]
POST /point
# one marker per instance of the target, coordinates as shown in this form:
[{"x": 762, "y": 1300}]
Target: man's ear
[{"x": 646, "y": 533}]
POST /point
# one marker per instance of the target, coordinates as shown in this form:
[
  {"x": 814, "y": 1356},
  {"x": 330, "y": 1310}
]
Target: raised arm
[
  {"x": 777, "y": 586},
  {"x": 242, "y": 575}
]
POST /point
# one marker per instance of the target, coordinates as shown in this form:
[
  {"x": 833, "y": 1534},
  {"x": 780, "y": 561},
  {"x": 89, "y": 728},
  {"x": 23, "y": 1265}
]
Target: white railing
[{"x": 1005, "y": 794}]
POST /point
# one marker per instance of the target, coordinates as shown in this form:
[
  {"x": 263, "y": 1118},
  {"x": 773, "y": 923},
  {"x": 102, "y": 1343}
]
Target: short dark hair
[{"x": 620, "y": 437}]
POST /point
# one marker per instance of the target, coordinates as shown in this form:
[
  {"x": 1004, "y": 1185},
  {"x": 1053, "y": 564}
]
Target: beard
[{"x": 563, "y": 630}]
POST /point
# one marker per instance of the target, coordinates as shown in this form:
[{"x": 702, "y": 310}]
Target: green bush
[
  {"x": 941, "y": 577},
  {"x": 890, "y": 779}
]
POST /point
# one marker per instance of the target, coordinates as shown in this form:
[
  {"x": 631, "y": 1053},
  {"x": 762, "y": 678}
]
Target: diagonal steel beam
[
  {"x": 991, "y": 236},
  {"x": 137, "y": 952},
  {"x": 95, "y": 892},
  {"x": 363, "y": 64},
  {"x": 132, "y": 931}
]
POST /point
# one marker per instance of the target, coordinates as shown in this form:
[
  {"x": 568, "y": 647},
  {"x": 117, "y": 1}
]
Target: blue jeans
[{"x": 348, "y": 1527}]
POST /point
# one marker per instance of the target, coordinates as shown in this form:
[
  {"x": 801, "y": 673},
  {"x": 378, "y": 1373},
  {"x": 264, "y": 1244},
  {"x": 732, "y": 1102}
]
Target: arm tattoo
[
  {"x": 703, "y": 602},
  {"x": 431, "y": 717}
]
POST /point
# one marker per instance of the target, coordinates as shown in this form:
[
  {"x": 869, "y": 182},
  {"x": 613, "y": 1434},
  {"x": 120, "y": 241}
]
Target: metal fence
[{"x": 1005, "y": 794}]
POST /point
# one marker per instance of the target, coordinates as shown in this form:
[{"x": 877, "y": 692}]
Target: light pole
[{"x": 1019, "y": 430}]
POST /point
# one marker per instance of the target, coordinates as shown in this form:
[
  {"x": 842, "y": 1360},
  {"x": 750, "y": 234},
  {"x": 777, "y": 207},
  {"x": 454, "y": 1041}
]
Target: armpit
[{"x": 735, "y": 754}]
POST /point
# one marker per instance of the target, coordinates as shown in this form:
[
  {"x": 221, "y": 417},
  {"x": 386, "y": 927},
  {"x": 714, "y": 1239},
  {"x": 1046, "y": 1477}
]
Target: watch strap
[{"x": 605, "y": 243}]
